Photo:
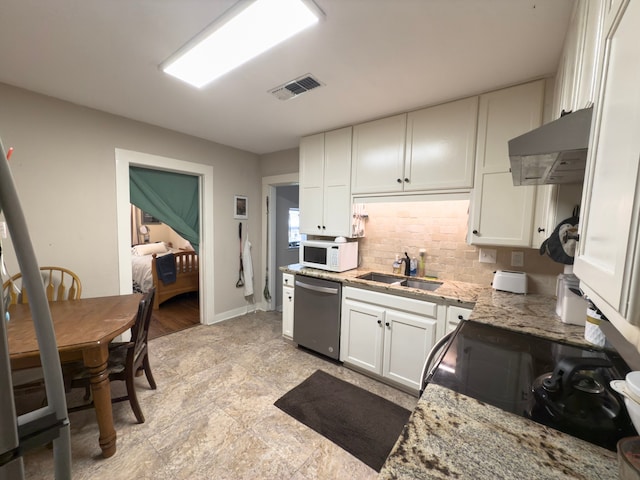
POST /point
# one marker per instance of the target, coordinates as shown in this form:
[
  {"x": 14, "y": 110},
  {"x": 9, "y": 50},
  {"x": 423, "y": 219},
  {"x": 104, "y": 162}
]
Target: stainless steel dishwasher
[{"x": 316, "y": 315}]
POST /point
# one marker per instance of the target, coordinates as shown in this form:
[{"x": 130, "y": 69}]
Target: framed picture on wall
[
  {"x": 148, "y": 219},
  {"x": 240, "y": 207}
]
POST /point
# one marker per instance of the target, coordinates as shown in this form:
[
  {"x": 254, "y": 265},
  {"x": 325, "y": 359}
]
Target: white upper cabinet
[
  {"x": 441, "y": 144},
  {"x": 592, "y": 13},
  {"x": 502, "y": 214},
  {"x": 579, "y": 63},
  {"x": 432, "y": 149},
  {"x": 567, "y": 75},
  {"x": 554, "y": 203},
  {"x": 378, "y": 155},
  {"x": 608, "y": 258},
  {"x": 325, "y": 181}
]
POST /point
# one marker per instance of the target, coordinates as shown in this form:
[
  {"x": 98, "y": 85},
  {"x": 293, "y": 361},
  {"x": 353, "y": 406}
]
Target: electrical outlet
[
  {"x": 517, "y": 259},
  {"x": 488, "y": 255}
]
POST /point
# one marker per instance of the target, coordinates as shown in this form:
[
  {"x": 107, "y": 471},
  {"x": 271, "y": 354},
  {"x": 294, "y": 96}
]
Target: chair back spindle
[{"x": 55, "y": 280}]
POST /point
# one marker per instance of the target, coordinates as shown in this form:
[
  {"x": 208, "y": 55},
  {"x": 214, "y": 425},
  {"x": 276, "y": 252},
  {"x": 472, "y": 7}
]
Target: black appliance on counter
[{"x": 565, "y": 387}]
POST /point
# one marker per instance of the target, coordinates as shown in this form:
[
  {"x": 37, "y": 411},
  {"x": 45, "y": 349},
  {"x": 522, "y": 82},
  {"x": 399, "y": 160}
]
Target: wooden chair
[
  {"x": 126, "y": 359},
  {"x": 60, "y": 284}
]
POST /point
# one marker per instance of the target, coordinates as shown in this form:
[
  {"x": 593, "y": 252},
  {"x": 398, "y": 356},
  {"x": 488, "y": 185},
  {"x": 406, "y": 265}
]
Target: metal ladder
[{"x": 19, "y": 434}]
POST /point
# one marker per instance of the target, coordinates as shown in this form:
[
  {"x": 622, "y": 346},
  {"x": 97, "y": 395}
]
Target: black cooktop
[{"x": 565, "y": 387}]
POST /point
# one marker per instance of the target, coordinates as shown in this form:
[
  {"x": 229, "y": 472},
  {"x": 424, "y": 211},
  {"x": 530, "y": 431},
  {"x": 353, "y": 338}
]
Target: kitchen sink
[
  {"x": 429, "y": 285},
  {"x": 382, "y": 278}
]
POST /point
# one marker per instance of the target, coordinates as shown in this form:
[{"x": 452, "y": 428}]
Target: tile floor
[{"x": 212, "y": 416}]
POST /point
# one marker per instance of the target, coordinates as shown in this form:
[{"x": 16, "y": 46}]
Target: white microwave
[{"x": 332, "y": 256}]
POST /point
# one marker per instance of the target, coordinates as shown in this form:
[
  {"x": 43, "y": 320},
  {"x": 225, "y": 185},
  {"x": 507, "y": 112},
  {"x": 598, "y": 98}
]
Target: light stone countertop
[
  {"x": 450, "y": 292},
  {"x": 450, "y": 435}
]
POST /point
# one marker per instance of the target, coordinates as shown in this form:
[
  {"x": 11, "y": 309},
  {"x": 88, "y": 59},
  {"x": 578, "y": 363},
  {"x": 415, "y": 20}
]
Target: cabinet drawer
[
  {"x": 288, "y": 279},
  {"x": 455, "y": 315},
  {"x": 411, "y": 305}
]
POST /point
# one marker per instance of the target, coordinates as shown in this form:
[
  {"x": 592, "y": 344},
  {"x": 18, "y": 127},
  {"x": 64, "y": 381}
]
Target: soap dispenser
[
  {"x": 396, "y": 264},
  {"x": 421, "y": 263}
]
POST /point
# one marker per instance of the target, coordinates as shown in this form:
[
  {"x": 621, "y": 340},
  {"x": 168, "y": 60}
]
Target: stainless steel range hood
[{"x": 553, "y": 153}]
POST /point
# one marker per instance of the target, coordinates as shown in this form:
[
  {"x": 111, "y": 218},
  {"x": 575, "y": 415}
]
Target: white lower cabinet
[
  {"x": 455, "y": 315},
  {"x": 387, "y": 335},
  {"x": 287, "y": 305}
]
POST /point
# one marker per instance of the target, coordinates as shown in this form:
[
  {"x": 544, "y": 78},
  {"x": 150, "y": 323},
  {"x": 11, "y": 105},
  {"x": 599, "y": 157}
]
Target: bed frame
[{"x": 187, "y": 277}]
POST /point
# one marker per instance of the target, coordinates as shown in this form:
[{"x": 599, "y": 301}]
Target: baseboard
[{"x": 236, "y": 312}]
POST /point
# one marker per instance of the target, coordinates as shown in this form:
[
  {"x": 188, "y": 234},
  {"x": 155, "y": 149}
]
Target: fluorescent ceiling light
[{"x": 242, "y": 33}]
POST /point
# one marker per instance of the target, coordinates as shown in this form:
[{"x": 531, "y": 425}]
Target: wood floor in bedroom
[{"x": 174, "y": 315}]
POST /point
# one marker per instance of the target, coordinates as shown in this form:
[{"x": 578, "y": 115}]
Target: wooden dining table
[{"x": 83, "y": 331}]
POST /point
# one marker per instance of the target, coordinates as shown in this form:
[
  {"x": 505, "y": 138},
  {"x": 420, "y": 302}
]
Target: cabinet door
[
  {"x": 287, "y": 311},
  {"x": 455, "y": 315},
  {"x": 570, "y": 60},
  {"x": 607, "y": 261},
  {"x": 441, "y": 144},
  {"x": 378, "y": 155},
  {"x": 311, "y": 184},
  {"x": 361, "y": 335},
  {"x": 593, "y": 15},
  {"x": 408, "y": 339},
  {"x": 337, "y": 183},
  {"x": 554, "y": 203},
  {"x": 502, "y": 214}
]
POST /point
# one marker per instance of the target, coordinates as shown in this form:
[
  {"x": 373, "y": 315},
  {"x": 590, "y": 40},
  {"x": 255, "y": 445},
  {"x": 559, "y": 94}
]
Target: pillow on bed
[
  {"x": 149, "y": 249},
  {"x": 187, "y": 246}
]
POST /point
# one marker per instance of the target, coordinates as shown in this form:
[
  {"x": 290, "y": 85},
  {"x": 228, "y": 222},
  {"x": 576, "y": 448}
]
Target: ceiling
[{"x": 375, "y": 57}]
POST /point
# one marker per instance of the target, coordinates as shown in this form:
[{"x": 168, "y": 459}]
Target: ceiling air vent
[{"x": 296, "y": 87}]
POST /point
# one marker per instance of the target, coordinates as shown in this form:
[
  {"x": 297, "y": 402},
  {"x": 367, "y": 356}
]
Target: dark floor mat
[{"x": 364, "y": 424}]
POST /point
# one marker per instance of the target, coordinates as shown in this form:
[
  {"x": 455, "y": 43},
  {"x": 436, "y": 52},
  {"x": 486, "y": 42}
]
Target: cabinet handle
[
  {"x": 460, "y": 317},
  {"x": 475, "y": 232},
  {"x": 379, "y": 322},
  {"x": 540, "y": 229},
  {"x": 406, "y": 180},
  {"x": 319, "y": 227},
  {"x": 323, "y": 227},
  {"x": 399, "y": 180},
  {"x": 388, "y": 324}
]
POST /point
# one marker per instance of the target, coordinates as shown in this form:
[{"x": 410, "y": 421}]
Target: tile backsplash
[{"x": 440, "y": 227}]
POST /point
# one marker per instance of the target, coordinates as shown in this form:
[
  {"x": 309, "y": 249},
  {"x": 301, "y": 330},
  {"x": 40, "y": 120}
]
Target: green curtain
[{"x": 170, "y": 197}]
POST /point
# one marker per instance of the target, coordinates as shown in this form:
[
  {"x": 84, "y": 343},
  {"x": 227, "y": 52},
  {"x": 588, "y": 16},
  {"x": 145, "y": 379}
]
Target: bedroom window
[{"x": 294, "y": 228}]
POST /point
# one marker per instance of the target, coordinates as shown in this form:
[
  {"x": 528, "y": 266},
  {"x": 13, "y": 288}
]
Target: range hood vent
[
  {"x": 553, "y": 153},
  {"x": 296, "y": 87}
]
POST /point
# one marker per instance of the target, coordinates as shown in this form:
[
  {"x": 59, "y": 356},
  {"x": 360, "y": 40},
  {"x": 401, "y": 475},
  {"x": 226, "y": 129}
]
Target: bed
[{"x": 146, "y": 272}]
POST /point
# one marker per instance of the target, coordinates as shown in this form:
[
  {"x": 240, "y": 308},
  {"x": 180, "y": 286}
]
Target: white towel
[{"x": 248, "y": 268}]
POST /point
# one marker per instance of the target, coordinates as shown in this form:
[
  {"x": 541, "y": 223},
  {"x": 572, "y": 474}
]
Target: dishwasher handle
[
  {"x": 315, "y": 288},
  {"x": 429, "y": 362}
]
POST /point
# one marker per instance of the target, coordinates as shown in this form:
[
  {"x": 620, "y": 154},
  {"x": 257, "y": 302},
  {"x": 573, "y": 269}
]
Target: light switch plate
[
  {"x": 488, "y": 255},
  {"x": 517, "y": 259}
]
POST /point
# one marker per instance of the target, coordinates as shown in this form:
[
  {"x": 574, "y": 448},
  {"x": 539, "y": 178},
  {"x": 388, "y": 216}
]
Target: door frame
[
  {"x": 269, "y": 185},
  {"x": 127, "y": 158}
]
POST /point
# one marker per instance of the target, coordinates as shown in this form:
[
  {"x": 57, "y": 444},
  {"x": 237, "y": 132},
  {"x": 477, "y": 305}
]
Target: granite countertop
[
  {"x": 450, "y": 292},
  {"x": 450, "y": 435}
]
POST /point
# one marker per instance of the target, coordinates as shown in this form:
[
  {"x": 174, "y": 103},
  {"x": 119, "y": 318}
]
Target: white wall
[{"x": 64, "y": 169}]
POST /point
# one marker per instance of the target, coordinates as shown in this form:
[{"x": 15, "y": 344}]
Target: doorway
[
  {"x": 126, "y": 158},
  {"x": 286, "y": 247},
  {"x": 272, "y": 245}
]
